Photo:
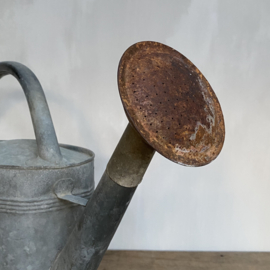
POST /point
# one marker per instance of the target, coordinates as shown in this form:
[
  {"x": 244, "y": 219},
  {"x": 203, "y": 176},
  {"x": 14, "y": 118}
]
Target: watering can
[{"x": 50, "y": 215}]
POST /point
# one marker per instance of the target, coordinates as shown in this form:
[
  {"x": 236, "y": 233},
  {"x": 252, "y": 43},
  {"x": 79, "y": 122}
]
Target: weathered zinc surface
[
  {"x": 34, "y": 221},
  {"x": 172, "y": 105}
]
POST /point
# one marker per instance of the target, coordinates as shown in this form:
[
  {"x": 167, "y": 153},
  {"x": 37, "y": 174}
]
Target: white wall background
[{"x": 74, "y": 47}]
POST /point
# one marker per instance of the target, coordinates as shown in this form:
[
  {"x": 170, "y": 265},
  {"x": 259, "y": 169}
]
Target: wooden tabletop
[{"x": 158, "y": 260}]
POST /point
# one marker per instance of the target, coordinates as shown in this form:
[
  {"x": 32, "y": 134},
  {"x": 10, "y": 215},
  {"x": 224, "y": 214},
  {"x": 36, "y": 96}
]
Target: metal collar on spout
[{"x": 130, "y": 159}]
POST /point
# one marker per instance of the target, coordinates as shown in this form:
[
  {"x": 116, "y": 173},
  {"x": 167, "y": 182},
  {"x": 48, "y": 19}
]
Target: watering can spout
[
  {"x": 104, "y": 211},
  {"x": 173, "y": 110}
]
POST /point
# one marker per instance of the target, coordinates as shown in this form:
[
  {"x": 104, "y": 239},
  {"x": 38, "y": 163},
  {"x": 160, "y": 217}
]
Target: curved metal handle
[{"x": 47, "y": 143}]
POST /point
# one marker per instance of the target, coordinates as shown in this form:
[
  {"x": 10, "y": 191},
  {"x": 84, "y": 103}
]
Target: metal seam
[{"x": 39, "y": 206}]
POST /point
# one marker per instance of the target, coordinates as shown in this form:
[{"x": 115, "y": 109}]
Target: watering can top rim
[
  {"x": 171, "y": 104},
  {"x": 22, "y": 154},
  {"x": 44, "y": 152}
]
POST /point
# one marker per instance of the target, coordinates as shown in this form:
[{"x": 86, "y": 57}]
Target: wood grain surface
[{"x": 157, "y": 260}]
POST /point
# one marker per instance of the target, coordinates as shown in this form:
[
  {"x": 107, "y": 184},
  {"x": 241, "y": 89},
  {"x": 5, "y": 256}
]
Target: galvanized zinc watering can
[{"x": 50, "y": 215}]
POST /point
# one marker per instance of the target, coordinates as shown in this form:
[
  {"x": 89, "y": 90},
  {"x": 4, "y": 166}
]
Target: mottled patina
[{"x": 171, "y": 104}]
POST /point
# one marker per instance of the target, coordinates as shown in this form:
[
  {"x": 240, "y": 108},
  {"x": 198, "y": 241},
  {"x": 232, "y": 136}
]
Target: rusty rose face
[{"x": 171, "y": 104}]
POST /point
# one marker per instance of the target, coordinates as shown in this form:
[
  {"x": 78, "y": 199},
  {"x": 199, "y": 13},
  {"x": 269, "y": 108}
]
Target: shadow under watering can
[{"x": 50, "y": 215}]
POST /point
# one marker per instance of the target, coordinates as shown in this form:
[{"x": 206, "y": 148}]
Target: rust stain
[{"x": 171, "y": 104}]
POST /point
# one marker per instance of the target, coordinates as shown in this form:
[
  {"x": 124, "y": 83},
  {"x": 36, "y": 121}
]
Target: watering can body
[
  {"x": 40, "y": 198},
  {"x": 34, "y": 223}
]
